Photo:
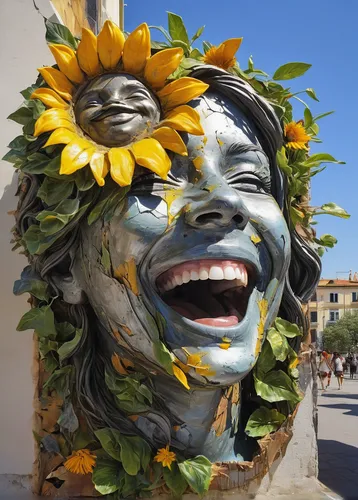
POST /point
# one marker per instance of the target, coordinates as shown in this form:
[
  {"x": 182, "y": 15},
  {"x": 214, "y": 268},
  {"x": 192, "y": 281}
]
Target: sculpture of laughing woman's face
[{"x": 206, "y": 250}]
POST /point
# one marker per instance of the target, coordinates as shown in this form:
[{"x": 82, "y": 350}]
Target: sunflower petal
[
  {"x": 50, "y": 98},
  {"x": 150, "y": 154},
  {"x": 161, "y": 65},
  {"x": 110, "y": 43},
  {"x": 136, "y": 49},
  {"x": 181, "y": 91},
  {"x": 67, "y": 62},
  {"x": 87, "y": 53},
  {"x": 185, "y": 119},
  {"x": 230, "y": 47},
  {"x": 170, "y": 139},
  {"x": 60, "y": 136},
  {"x": 122, "y": 166},
  {"x": 51, "y": 119},
  {"x": 57, "y": 81},
  {"x": 99, "y": 167},
  {"x": 76, "y": 155}
]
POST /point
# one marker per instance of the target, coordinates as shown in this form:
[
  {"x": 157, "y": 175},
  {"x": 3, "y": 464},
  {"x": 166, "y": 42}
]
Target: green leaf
[
  {"x": 40, "y": 319},
  {"x": 198, "y": 33},
  {"x": 333, "y": 209},
  {"x": 31, "y": 282},
  {"x": 266, "y": 361},
  {"x": 276, "y": 386},
  {"x": 36, "y": 163},
  {"x": 23, "y": 115},
  {"x": 326, "y": 240},
  {"x": 323, "y": 115},
  {"x": 82, "y": 439},
  {"x": 319, "y": 158},
  {"x": 60, "y": 381},
  {"x": 67, "y": 349},
  {"x": 312, "y": 94},
  {"x": 37, "y": 108},
  {"x": 52, "y": 221},
  {"x": 107, "y": 476},
  {"x": 163, "y": 356},
  {"x": 291, "y": 70},
  {"x": 308, "y": 117},
  {"x": 279, "y": 344},
  {"x": 197, "y": 473},
  {"x": 263, "y": 421},
  {"x": 14, "y": 156},
  {"x": 175, "y": 481},
  {"x": 68, "y": 420},
  {"x": 177, "y": 28},
  {"x": 84, "y": 179},
  {"x": 287, "y": 329},
  {"x": 282, "y": 162},
  {"x": 20, "y": 143},
  {"x": 132, "y": 451},
  {"x": 195, "y": 54},
  {"x": 206, "y": 46},
  {"x": 105, "y": 259},
  {"x": 52, "y": 191},
  {"x": 26, "y": 93},
  {"x": 58, "y": 33},
  {"x": 131, "y": 396},
  {"x": 36, "y": 241}
]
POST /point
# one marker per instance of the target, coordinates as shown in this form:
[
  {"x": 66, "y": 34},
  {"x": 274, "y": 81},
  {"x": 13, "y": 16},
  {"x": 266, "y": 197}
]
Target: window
[
  {"x": 333, "y": 315},
  {"x": 333, "y": 297},
  {"x": 354, "y": 297},
  {"x": 314, "y": 316},
  {"x": 313, "y": 335}
]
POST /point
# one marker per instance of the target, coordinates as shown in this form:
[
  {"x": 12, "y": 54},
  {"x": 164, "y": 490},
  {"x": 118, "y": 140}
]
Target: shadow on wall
[{"x": 338, "y": 466}]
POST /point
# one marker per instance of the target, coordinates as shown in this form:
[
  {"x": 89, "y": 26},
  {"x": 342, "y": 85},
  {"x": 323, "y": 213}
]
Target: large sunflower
[{"x": 111, "y": 52}]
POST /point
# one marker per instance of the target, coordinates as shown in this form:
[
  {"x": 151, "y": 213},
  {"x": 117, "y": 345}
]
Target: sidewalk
[{"x": 338, "y": 438}]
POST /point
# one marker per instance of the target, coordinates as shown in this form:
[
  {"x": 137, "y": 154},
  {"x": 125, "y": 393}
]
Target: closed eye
[
  {"x": 151, "y": 183},
  {"x": 249, "y": 182}
]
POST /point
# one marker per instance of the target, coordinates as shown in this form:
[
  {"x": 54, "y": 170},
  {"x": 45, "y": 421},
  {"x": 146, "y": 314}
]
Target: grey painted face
[
  {"x": 223, "y": 212},
  {"x": 115, "y": 108}
]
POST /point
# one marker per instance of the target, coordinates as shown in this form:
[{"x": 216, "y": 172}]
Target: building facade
[{"x": 333, "y": 299}]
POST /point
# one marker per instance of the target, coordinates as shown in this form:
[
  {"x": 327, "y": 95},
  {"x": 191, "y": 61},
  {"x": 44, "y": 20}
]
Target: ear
[{"x": 70, "y": 287}]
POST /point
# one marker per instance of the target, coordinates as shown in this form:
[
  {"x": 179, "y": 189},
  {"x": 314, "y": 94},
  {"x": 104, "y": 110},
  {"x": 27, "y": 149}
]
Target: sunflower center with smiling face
[{"x": 114, "y": 109}]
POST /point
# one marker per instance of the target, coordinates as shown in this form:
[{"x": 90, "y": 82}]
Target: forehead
[
  {"x": 223, "y": 121},
  {"x": 113, "y": 83}
]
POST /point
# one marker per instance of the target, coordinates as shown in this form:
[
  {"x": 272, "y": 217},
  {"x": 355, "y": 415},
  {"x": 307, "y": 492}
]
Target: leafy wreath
[{"x": 78, "y": 178}]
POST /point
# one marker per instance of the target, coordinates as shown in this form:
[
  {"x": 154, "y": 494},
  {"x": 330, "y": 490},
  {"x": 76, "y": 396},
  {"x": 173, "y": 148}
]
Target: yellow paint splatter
[
  {"x": 220, "y": 142},
  {"x": 212, "y": 187},
  {"x": 263, "y": 308},
  {"x": 255, "y": 239},
  {"x": 205, "y": 140},
  {"x": 195, "y": 361},
  {"x": 198, "y": 162},
  {"x": 176, "y": 428},
  {"x": 134, "y": 418},
  {"x": 121, "y": 365},
  {"x": 126, "y": 330},
  {"x": 127, "y": 274},
  {"x": 224, "y": 346},
  {"x": 170, "y": 196},
  {"x": 180, "y": 375}
]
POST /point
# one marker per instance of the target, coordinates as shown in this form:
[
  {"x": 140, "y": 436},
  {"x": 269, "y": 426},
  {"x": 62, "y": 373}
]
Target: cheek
[
  {"x": 133, "y": 232},
  {"x": 267, "y": 218}
]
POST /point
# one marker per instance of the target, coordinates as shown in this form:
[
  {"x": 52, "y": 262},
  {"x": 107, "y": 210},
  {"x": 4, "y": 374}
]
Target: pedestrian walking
[
  {"x": 337, "y": 361},
  {"x": 325, "y": 370},
  {"x": 353, "y": 367}
]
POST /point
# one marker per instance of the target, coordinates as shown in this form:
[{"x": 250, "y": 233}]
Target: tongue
[{"x": 221, "y": 321}]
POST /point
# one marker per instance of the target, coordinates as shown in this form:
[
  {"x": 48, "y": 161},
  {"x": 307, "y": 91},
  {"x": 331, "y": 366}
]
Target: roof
[{"x": 336, "y": 282}]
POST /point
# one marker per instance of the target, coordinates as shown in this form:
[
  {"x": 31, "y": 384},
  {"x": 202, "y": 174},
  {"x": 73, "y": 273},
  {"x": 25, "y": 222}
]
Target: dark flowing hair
[{"x": 90, "y": 358}]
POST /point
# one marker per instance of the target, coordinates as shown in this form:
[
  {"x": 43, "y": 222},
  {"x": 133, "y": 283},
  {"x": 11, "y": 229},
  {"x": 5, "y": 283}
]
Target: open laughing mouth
[{"x": 209, "y": 292}]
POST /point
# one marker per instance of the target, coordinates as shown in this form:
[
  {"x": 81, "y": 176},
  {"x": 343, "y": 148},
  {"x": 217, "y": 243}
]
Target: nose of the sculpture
[{"x": 218, "y": 208}]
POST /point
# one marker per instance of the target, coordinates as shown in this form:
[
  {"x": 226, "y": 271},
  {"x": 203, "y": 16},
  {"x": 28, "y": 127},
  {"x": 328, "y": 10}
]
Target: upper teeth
[{"x": 192, "y": 271}]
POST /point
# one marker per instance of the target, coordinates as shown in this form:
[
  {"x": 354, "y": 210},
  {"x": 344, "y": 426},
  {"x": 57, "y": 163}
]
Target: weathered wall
[{"x": 22, "y": 51}]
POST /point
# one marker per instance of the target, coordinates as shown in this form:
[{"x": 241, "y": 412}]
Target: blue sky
[{"x": 323, "y": 33}]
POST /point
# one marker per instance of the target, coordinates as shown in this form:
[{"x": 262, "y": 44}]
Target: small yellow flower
[
  {"x": 223, "y": 56},
  {"x": 296, "y": 136},
  {"x": 80, "y": 462},
  {"x": 165, "y": 457}
]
